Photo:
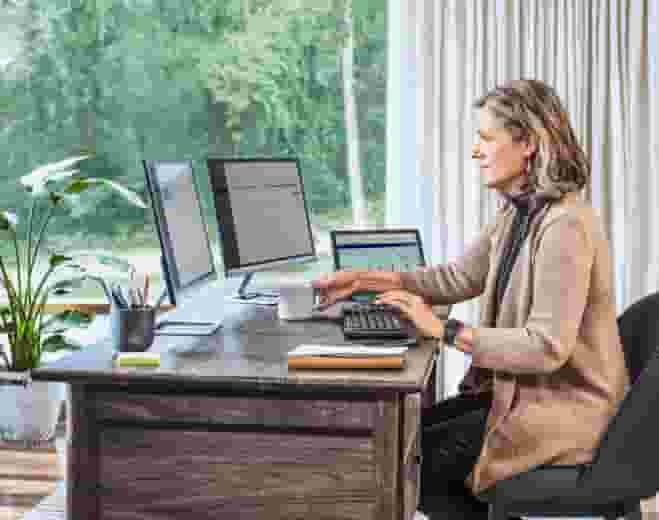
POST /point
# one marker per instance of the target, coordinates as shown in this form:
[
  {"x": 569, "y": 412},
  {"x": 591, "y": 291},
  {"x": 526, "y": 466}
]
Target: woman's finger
[
  {"x": 324, "y": 282},
  {"x": 393, "y": 297},
  {"x": 394, "y": 294}
]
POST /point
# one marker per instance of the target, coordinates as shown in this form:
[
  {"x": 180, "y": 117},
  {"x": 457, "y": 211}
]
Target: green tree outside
[{"x": 126, "y": 80}]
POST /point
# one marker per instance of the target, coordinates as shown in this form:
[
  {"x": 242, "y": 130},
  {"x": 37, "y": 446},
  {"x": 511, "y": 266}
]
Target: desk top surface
[{"x": 247, "y": 354}]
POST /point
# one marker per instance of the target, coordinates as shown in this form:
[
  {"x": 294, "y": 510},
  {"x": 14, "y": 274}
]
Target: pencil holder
[{"x": 132, "y": 329}]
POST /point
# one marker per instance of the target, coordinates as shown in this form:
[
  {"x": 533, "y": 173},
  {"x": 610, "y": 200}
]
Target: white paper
[
  {"x": 264, "y": 299},
  {"x": 346, "y": 350}
]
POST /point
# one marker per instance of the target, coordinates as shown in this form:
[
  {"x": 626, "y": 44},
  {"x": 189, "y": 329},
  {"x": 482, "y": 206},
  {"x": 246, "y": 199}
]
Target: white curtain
[{"x": 600, "y": 55}]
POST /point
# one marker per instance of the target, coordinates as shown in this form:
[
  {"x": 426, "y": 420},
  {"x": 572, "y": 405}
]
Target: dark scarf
[{"x": 527, "y": 206}]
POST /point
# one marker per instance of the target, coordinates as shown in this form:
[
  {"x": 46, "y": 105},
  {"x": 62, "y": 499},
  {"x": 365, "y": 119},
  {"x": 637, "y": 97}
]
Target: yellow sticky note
[{"x": 137, "y": 359}]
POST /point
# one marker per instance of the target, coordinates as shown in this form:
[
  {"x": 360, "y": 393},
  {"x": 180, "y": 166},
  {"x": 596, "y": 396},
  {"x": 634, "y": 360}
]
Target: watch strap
[{"x": 452, "y": 328}]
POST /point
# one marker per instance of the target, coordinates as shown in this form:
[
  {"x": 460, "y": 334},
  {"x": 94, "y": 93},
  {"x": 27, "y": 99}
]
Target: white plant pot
[{"x": 29, "y": 413}]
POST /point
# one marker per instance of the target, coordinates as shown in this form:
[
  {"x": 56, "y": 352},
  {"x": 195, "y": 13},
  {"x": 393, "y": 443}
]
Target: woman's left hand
[{"x": 414, "y": 308}]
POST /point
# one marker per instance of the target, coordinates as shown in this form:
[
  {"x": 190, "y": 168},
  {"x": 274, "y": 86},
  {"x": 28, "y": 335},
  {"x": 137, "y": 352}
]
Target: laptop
[{"x": 395, "y": 250}]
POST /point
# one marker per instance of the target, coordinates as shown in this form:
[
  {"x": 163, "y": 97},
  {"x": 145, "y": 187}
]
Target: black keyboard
[{"x": 368, "y": 321}]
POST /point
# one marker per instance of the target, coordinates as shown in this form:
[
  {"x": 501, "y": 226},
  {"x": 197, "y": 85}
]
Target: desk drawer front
[
  {"x": 204, "y": 475},
  {"x": 344, "y": 415}
]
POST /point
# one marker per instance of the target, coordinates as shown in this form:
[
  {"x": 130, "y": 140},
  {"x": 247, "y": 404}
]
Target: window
[{"x": 127, "y": 80}]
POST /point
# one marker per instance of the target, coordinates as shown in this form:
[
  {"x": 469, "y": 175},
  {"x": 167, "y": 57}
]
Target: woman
[{"x": 547, "y": 369}]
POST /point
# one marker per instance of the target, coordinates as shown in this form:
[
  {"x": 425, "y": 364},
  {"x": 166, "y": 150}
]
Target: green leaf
[
  {"x": 6, "y": 318},
  {"x": 80, "y": 185},
  {"x": 58, "y": 330},
  {"x": 8, "y": 220},
  {"x": 37, "y": 180},
  {"x": 56, "y": 199},
  {"x": 56, "y": 260},
  {"x": 58, "y": 342},
  {"x": 72, "y": 318},
  {"x": 66, "y": 286}
]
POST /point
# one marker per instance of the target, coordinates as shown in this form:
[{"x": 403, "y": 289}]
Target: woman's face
[{"x": 502, "y": 159}]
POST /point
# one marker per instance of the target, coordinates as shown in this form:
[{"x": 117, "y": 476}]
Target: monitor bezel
[
  {"x": 273, "y": 263},
  {"x": 170, "y": 269},
  {"x": 380, "y": 231}
]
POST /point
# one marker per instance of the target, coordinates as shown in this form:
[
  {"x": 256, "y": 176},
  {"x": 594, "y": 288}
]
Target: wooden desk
[{"x": 222, "y": 429}]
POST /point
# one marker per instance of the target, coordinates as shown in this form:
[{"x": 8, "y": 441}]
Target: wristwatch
[{"x": 451, "y": 330}]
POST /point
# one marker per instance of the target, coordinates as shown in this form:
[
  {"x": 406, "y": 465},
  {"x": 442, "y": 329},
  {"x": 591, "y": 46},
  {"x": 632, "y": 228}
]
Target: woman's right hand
[{"x": 336, "y": 286}]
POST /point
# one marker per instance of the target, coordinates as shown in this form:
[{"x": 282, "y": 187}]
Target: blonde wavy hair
[{"x": 532, "y": 111}]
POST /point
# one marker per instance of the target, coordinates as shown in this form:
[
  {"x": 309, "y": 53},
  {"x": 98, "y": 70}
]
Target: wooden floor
[
  {"x": 26, "y": 477},
  {"x": 29, "y": 475}
]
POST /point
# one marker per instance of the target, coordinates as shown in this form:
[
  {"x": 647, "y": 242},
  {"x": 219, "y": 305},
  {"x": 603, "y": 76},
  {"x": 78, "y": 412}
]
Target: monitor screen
[
  {"x": 261, "y": 213},
  {"x": 395, "y": 250},
  {"x": 187, "y": 256}
]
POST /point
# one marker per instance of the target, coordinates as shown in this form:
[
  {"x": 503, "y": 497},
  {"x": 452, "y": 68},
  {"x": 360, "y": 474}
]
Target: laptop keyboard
[{"x": 369, "y": 321}]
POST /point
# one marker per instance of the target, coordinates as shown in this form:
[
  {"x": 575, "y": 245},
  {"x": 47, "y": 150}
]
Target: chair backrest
[
  {"x": 639, "y": 332},
  {"x": 624, "y": 463}
]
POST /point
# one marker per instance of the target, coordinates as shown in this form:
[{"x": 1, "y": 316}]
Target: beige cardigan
[{"x": 554, "y": 355}]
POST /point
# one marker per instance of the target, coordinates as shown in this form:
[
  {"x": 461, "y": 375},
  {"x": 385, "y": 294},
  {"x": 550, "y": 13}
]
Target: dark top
[{"x": 527, "y": 206}]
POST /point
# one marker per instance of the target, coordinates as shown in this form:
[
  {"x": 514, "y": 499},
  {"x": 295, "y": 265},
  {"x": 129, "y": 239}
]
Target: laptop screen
[{"x": 396, "y": 250}]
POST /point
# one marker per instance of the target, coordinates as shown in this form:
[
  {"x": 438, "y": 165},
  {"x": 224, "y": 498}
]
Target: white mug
[{"x": 296, "y": 301}]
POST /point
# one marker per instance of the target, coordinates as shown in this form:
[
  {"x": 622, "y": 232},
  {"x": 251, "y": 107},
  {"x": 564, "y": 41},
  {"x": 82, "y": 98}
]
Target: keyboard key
[{"x": 372, "y": 321}]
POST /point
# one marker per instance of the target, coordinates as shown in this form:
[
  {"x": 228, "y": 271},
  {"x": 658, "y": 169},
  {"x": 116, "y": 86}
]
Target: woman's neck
[{"x": 518, "y": 187}]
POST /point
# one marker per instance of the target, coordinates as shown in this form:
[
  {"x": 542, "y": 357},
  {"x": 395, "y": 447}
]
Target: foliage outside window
[{"x": 125, "y": 80}]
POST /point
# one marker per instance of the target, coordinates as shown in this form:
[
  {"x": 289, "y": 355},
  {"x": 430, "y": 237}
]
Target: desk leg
[
  {"x": 387, "y": 459},
  {"x": 82, "y": 457},
  {"x": 411, "y": 452},
  {"x": 431, "y": 393},
  {"x": 439, "y": 358}
]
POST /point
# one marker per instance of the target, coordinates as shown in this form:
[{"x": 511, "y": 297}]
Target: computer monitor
[
  {"x": 397, "y": 250},
  {"x": 262, "y": 216},
  {"x": 186, "y": 256}
]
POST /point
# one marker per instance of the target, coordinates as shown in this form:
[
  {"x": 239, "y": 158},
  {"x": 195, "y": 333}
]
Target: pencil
[{"x": 145, "y": 294}]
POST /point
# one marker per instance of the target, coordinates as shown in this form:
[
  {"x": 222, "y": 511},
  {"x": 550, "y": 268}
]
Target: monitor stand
[
  {"x": 257, "y": 298},
  {"x": 180, "y": 327}
]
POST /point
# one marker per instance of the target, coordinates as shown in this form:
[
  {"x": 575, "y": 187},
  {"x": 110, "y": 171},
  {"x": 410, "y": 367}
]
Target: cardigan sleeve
[
  {"x": 456, "y": 281},
  {"x": 561, "y": 282}
]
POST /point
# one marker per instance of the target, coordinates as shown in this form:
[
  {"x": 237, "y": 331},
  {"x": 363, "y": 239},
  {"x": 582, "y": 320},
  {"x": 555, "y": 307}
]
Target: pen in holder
[{"x": 132, "y": 328}]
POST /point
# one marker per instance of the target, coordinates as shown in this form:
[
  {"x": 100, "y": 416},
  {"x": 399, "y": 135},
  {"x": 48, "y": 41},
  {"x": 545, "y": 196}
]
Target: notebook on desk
[{"x": 346, "y": 357}]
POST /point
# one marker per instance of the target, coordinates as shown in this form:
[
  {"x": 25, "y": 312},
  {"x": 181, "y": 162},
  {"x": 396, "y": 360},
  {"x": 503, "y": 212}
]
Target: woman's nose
[{"x": 475, "y": 152}]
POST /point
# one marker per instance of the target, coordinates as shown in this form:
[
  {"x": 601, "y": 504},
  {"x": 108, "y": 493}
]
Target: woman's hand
[
  {"x": 336, "y": 286},
  {"x": 414, "y": 308}
]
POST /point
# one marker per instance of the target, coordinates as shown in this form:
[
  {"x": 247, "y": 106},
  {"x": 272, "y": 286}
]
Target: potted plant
[{"x": 31, "y": 409}]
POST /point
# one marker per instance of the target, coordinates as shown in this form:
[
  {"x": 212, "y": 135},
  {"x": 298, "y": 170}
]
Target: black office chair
[
  {"x": 639, "y": 332},
  {"x": 623, "y": 471}
]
